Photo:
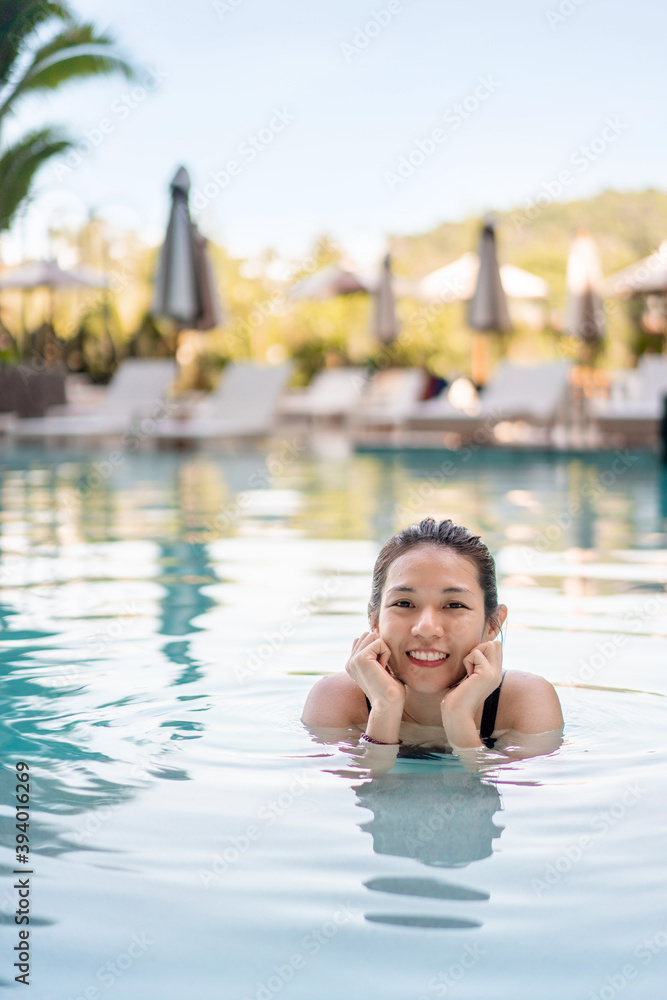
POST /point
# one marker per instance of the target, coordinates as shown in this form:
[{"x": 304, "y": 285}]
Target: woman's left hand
[{"x": 483, "y": 675}]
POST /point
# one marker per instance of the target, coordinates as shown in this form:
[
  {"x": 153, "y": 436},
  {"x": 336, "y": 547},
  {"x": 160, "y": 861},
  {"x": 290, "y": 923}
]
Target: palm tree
[{"x": 30, "y": 63}]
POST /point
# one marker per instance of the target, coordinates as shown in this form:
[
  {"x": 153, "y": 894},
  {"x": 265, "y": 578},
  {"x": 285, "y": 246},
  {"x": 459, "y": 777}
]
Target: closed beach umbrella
[
  {"x": 585, "y": 316},
  {"x": 184, "y": 289},
  {"x": 384, "y": 319},
  {"x": 488, "y": 307},
  {"x": 487, "y": 310}
]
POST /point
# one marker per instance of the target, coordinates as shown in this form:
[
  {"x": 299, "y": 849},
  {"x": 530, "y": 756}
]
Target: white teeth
[{"x": 428, "y": 656}]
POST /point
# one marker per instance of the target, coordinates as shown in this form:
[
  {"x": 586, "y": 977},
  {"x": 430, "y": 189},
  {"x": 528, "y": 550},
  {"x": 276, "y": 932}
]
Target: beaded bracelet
[{"x": 379, "y": 743}]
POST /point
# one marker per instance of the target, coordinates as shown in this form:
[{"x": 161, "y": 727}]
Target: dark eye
[
  {"x": 402, "y": 603},
  {"x": 455, "y": 604}
]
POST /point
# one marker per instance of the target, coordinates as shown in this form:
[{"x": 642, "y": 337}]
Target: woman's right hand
[{"x": 368, "y": 668}]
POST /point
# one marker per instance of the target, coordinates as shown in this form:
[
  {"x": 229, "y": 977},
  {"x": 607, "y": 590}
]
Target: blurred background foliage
[{"x": 98, "y": 328}]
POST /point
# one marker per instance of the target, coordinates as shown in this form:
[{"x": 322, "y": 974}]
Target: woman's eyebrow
[{"x": 445, "y": 590}]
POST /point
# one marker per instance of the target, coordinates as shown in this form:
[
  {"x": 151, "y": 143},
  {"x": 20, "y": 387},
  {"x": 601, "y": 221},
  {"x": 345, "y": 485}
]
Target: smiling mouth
[{"x": 432, "y": 659}]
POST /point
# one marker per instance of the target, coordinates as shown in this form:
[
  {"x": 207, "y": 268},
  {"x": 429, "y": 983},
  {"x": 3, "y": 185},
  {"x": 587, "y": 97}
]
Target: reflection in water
[
  {"x": 77, "y": 546},
  {"x": 441, "y": 817},
  {"x": 74, "y": 703}
]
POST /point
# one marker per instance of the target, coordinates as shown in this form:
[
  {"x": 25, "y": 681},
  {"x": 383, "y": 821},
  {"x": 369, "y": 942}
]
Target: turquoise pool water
[{"x": 161, "y": 623}]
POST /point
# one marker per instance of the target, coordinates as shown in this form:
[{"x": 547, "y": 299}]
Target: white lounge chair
[
  {"x": 136, "y": 391},
  {"x": 388, "y": 399},
  {"x": 332, "y": 395},
  {"x": 243, "y": 405},
  {"x": 535, "y": 394},
  {"x": 632, "y": 413}
]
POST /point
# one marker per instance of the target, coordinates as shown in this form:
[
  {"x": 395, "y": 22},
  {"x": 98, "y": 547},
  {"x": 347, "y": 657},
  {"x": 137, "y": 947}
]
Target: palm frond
[
  {"x": 18, "y": 21},
  {"x": 74, "y": 53},
  {"x": 19, "y": 164},
  {"x": 75, "y": 66}
]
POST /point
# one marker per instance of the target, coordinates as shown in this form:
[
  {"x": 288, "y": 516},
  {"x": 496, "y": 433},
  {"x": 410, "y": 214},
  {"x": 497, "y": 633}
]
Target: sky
[{"x": 353, "y": 118}]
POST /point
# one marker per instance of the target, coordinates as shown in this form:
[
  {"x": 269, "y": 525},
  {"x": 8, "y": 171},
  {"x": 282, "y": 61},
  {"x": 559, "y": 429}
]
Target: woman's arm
[
  {"x": 336, "y": 704},
  {"x": 339, "y": 701},
  {"x": 462, "y": 701}
]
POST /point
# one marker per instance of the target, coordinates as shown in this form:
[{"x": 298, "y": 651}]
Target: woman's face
[{"x": 431, "y": 616}]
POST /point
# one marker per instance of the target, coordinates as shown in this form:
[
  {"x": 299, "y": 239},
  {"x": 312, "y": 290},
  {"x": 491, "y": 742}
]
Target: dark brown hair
[{"x": 447, "y": 535}]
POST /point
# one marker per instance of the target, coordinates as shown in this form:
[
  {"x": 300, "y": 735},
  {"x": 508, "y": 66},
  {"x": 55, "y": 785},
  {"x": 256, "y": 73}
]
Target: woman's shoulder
[
  {"x": 335, "y": 701},
  {"x": 528, "y": 704}
]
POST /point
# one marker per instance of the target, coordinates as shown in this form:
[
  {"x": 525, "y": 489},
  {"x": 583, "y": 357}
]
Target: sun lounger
[
  {"x": 136, "y": 392},
  {"x": 386, "y": 402},
  {"x": 632, "y": 413},
  {"x": 332, "y": 395},
  {"x": 243, "y": 405},
  {"x": 536, "y": 395}
]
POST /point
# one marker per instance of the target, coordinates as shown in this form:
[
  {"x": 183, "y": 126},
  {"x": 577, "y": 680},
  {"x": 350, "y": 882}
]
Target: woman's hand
[
  {"x": 461, "y": 702},
  {"x": 368, "y": 668}
]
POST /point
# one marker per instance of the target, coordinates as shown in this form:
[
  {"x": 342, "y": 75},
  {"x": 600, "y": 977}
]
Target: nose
[{"x": 428, "y": 624}]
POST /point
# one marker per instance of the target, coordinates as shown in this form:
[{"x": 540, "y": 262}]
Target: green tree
[{"x": 42, "y": 47}]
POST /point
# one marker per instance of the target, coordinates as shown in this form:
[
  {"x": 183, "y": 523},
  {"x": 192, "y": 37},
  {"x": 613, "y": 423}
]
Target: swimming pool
[{"x": 162, "y": 622}]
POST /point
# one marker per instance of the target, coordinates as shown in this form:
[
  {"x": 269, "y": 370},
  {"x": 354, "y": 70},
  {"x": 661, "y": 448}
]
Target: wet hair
[{"x": 447, "y": 535}]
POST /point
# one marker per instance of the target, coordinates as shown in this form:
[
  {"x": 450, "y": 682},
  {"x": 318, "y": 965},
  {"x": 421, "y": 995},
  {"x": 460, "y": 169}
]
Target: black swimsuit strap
[{"x": 489, "y": 711}]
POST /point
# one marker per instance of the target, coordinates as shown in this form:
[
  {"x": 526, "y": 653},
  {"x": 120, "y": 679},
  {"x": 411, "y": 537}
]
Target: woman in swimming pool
[{"x": 430, "y": 658}]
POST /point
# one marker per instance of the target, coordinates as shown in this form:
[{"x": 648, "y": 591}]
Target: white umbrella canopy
[
  {"x": 645, "y": 277},
  {"x": 47, "y": 274},
  {"x": 328, "y": 283},
  {"x": 455, "y": 282},
  {"x": 585, "y": 315},
  {"x": 520, "y": 284},
  {"x": 184, "y": 289}
]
